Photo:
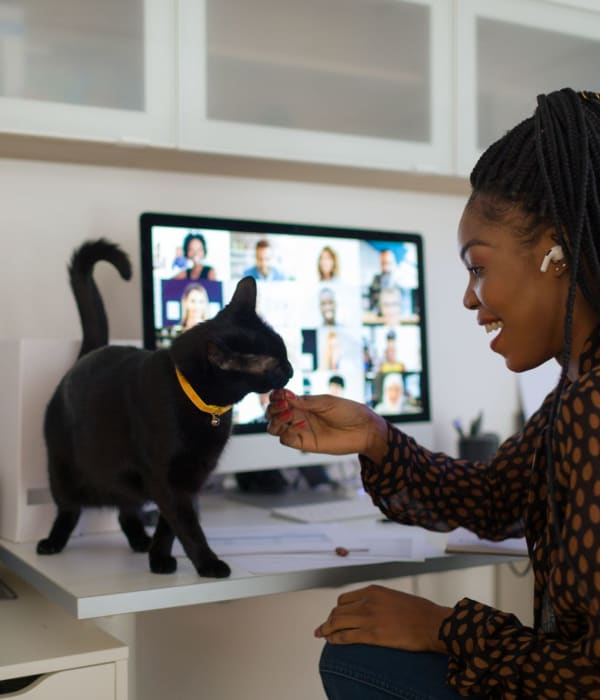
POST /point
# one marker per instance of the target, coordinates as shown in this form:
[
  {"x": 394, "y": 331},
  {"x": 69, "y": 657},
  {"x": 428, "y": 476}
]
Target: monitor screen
[{"x": 348, "y": 303}]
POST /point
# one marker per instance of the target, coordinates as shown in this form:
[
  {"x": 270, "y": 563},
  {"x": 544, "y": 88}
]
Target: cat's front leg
[
  {"x": 159, "y": 554},
  {"x": 178, "y": 513}
]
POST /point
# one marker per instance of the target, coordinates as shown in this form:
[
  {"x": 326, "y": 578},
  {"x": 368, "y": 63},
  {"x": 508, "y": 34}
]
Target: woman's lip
[{"x": 494, "y": 341}]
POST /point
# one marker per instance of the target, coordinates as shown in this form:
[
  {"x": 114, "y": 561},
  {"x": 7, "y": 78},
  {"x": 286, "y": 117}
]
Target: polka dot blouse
[{"x": 491, "y": 652}]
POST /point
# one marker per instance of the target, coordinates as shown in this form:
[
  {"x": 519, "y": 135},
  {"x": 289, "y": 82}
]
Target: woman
[
  {"x": 530, "y": 239},
  {"x": 393, "y": 400},
  {"x": 327, "y": 265},
  {"x": 194, "y": 306},
  {"x": 194, "y": 250}
]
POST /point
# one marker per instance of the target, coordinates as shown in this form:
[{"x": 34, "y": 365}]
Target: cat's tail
[{"x": 94, "y": 323}]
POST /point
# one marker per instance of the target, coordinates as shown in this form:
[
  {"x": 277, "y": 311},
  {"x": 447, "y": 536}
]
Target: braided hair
[{"x": 548, "y": 168}]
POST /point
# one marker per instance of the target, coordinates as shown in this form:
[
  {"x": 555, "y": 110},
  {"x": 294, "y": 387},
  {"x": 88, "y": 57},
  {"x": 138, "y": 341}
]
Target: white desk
[
  {"x": 39, "y": 639},
  {"x": 97, "y": 576}
]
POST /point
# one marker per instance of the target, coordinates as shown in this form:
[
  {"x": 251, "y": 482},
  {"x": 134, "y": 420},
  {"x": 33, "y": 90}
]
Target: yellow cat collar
[{"x": 188, "y": 390}]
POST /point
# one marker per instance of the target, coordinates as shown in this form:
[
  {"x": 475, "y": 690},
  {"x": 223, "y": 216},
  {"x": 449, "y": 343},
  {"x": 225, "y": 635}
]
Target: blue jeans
[{"x": 365, "y": 672}]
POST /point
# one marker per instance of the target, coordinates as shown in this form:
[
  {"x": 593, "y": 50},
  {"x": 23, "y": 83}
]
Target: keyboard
[{"x": 331, "y": 511}]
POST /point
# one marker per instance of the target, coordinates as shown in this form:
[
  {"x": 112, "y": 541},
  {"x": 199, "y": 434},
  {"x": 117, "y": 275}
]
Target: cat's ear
[{"x": 245, "y": 294}]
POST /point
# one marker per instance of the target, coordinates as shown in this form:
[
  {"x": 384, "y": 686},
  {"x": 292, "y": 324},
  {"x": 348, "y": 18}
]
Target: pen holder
[{"x": 478, "y": 447}]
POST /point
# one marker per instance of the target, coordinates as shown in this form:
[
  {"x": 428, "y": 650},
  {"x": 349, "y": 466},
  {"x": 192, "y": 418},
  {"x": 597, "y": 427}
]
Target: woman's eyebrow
[{"x": 470, "y": 244}]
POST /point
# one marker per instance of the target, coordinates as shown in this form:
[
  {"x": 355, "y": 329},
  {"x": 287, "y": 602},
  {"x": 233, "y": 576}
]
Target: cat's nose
[{"x": 283, "y": 376}]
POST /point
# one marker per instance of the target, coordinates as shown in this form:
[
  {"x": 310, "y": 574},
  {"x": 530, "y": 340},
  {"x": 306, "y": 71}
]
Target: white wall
[{"x": 49, "y": 208}]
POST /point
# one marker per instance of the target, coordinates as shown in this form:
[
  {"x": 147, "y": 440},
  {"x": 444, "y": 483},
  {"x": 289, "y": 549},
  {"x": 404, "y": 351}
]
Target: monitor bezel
[{"x": 150, "y": 219}]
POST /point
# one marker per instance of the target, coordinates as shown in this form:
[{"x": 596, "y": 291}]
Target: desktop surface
[{"x": 98, "y": 575}]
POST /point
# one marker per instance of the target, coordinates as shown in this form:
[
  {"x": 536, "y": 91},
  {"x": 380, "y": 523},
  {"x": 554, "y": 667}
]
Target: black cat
[{"x": 127, "y": 426}]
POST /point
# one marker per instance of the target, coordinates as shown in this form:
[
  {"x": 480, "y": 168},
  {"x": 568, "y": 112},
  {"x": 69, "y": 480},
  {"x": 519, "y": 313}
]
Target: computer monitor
[{"x": 349, "y": 304}]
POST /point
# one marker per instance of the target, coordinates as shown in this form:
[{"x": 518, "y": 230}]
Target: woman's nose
[{"x": 470, "y": 300}]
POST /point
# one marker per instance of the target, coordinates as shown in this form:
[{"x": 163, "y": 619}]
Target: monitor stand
[{"x": 314, "y": 486}]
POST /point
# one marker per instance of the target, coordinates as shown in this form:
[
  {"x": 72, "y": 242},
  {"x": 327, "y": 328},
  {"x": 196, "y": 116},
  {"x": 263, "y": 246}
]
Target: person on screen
[
  {"x": 264, "y": 269},
  {"x": 336, "y": 385},
  {"x": 194, "y": 250},
  {"x": 390, "y": 306},
  {"x": 394, "y": 399},
  {"x": 529, "y": 237},
  {"x": 327, "y": 306},
  {"x": 384, "y": 279},
  {"x": 327, "y": 264},
  {"x": 332, "y": 351},
  {"x": 194, "y": 306},
  {"x": 390, "y": 362}
]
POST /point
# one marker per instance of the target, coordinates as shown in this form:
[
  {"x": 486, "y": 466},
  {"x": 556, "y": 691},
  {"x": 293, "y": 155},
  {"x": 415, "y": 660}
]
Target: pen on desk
[
  {"x": 344, "y": 552},
  {"x": 340, "y": 551}
]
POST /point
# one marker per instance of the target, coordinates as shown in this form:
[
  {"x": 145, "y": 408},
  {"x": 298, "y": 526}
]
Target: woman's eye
[{"x": 475, "y": 270}]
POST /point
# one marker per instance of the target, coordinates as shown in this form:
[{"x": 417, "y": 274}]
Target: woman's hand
[
  {"x": 326, "y": 424},
  {"x": 385, "y": 617}
]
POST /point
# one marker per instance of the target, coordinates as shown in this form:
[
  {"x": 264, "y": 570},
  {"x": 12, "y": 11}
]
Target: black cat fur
[{"x": 121, "y": 432}]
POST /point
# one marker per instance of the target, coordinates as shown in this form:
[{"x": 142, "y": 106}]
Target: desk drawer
[{"x": 91, "y": 683}]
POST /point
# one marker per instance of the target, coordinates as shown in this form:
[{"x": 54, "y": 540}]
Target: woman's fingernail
[{"x": 300, "y": 424}]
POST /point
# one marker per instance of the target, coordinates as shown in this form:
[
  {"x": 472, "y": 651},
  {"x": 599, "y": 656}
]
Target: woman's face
[
  {"x": 326, "y": 264},
  {"x": 196, "y": 308},
  {"x": 195, "y": 251},
  {"x": 521, "y": 306}
]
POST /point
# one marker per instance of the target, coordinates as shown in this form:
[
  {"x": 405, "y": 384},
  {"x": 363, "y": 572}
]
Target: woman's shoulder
[{"x": 586, "y": 389}]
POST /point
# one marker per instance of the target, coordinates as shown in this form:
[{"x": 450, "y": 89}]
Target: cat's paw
[
  {"x": 47, "y": 546},
  {"x": 163, "y": 565},
  {"x": 214, "y": 568}
]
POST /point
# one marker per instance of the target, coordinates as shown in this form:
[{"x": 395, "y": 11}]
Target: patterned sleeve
[
  {"x": 491, "y": 652},
  {"x": 418, "y": 487}
]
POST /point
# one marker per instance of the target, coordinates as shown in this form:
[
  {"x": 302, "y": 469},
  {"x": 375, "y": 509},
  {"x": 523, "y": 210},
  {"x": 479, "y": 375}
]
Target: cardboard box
[{"x": 30, "y": 369}]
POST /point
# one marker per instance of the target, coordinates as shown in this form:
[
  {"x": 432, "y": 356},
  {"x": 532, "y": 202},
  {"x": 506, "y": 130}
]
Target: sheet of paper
[
  {"x": 461, "y": 540},
  {"x": 276, "y": 549}
]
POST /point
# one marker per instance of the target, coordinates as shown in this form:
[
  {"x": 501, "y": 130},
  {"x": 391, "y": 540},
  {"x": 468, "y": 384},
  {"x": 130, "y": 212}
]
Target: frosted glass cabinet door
[
  {"x": 509, "y": 52},
  {"x": 88, "y": 69},
  {"x": 356, "y": 82}
]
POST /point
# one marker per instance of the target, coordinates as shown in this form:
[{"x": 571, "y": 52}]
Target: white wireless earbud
[{"x": 554, "y": 255}]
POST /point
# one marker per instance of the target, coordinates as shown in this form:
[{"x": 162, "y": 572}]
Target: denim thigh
[{"x": 365, "y": 672}]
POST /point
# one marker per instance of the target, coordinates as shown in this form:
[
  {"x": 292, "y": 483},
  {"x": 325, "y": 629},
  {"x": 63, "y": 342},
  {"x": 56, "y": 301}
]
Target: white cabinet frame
[
  {"x": 197, "y": 132},
  {"x": 538, "y": 14},
  {"x": 156, "y": 125}
]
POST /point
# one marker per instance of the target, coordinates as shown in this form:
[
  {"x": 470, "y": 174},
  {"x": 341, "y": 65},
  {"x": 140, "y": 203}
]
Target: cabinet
[
  {"x": 329, "y": 81},
  {"x": 46, "y": 654},
  {"x": 397, "y": 85},
  {"x": 507, "y": 53},
  {"x": 89, "y": 70}
]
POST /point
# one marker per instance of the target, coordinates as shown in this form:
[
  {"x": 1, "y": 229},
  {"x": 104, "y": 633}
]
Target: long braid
[
  {"x": 546, "y": 166},
  {"x": 567, "y": 204}
]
